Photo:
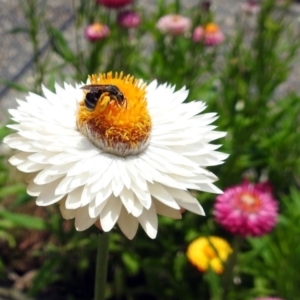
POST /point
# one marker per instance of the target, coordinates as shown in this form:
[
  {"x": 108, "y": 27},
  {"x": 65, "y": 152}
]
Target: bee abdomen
[{"x": 91, "y": 99}]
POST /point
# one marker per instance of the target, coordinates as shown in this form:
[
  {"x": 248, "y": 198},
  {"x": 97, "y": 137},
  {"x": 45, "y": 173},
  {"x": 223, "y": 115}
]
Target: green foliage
[
  {"x": 273, "y": 259},
  {"x": 240, "y": 81}
]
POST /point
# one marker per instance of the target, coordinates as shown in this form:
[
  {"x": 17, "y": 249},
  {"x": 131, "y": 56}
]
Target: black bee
[{"x": 96, "y": 91}]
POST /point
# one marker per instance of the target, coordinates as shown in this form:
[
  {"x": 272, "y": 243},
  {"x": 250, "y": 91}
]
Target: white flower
[{"x": 122, "y": 162}]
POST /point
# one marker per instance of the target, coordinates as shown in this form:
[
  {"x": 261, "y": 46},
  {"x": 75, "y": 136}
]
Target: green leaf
[
  {"x": 60, "y": 45},
  {"x": 8, "y": 238},
  {"x": 130, "y": 262},
  {"x": 13, "y": 85},
  {"x": 46, "y": 275},
  {"x": 22, "y": 220},
  {"x": 12, "y": 189},
  {"x": 18, "y": 30}
]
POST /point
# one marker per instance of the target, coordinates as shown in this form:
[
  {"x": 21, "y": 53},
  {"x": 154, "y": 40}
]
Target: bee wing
[{"x": 88, "y": 87}]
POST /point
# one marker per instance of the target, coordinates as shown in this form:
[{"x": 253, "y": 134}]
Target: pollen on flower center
[
  {"x": 211, "y": 28},
  {"x": 248, "y": 202},
  {"x": 118, "y": 127}
]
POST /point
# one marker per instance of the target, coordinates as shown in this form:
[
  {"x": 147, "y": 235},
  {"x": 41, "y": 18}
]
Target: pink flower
[
  {"x": 96, "y": 31},
  {"x": 198, "y": 34},
  {"x": 210, "y": 35},
  {"x": 247, "y": 209},
  {"x": 213, "y": 36},
  {"x": 114, "y": 3},
  {"x": 268, "y": 298},
  {"x": 174, "y": 24},
  {"x": 129, "y": 19},
  {"x": 251, "y": 7}
]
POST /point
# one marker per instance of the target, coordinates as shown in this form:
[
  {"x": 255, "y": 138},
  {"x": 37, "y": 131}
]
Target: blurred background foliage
[{"x": 43, "y": 256}]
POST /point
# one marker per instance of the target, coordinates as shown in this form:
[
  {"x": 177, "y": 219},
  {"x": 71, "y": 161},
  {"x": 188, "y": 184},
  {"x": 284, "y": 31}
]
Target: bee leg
[
  {"x": 118, "y": 102},
  {"x": 104, "y": 101}
]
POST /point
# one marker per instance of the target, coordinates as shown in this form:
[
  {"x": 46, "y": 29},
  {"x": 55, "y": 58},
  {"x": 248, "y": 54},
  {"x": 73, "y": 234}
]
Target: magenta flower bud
[
  {"x": 129, "y": 19},
  {"x": 198, "y": 34},
  {"x": 175, "y": 25},
  {"x": 114, "y": 3},
  {"x": 206, "y": 4},
  {"x": 96, "y": 32},
  {"x": 251, "y": 7},
  {"x": 247, "y": 210}
]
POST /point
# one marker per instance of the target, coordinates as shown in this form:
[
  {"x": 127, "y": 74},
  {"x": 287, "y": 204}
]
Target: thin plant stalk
[{"x": 101, "y": 265}]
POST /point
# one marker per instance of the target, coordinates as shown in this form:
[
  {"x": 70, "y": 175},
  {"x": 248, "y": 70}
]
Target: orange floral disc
[{"x": 118, "y": 129}]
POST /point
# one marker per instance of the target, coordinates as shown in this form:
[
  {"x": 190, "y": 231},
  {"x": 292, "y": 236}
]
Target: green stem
[
  {"x": 101, "y": 265},
  {"x": 229, "y": 267}
]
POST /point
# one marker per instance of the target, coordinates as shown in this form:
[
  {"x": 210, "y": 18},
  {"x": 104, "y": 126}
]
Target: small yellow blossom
[{"x": 201, "y": 253}]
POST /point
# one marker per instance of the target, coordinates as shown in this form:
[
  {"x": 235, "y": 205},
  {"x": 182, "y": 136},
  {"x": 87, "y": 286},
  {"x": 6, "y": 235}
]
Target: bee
[{"x": 97, "y": 91}]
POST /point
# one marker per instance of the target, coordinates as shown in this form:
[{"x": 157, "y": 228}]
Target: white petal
[
  {"x": 74, "y": 198},
  {"x": 44, "y": 177},
  {"x": 103, "y": 194},
  {"x": 210, "y": 188},
  {"x": 18, "y": 158},
  {"x": 137, "y": 178},
  {"x": 214, "y": 135},
  {"x": 127, "y": 199},
  {"x": 63, "y": 158},
  {"x": 166, "y": 211},
  {"x": 97, "y": 205},
  {"x": 110, "y": 213},
  {"x": 145, "y": 170},
  {"x": 66, "y": 213},
  {"x": 143, "y": 196},
  {"x": 34, "y": 189},
  {"x": 117, "y": 186},
  {"x": 137, "y": 208},
  {"x": 47, "y": 195},
  {"x": 41, "y": 157},
  {"x": 181, "y": 195},
  {"x": 87, "y": 195},
  {"x": 55, "y": 170},
  {"x": 82, "y": 219},
  {"x": 29, "y": 166},
  {"x": 82, "y": 166},
  {"x": 124, "y": 175},
  {"x": 64, "y": 186},
  {"x": 128, "y": 224},
  {"x": 194, "y": 207},
  {"x": 148, "y": 220},
  {"x": 96, "y": 209},
  {"x": 101, "y": 166},
  {"x": 161, "y": 194},
  {"x": 79, "y": 180},
  {"x": 106, "y": 177}
]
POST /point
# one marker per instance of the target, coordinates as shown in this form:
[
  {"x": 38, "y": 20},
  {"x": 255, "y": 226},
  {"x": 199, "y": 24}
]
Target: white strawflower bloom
[{"x": 120, "y": 153}]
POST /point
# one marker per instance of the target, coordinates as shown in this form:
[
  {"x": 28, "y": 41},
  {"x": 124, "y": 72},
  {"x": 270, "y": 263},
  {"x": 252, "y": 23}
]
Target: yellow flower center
[
  {"x": 118, "y": 127},
  {"x": 97, "y": 27},
  {"x": 248, "y": 202},
  {"x": 176, "y": 18},
  {"x": 211, "y": 28}
]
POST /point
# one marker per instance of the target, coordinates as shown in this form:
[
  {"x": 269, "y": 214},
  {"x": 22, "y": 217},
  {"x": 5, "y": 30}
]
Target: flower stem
[
  {"x": 230, "y": 265},
  {"x": 101, "y": 265}
]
